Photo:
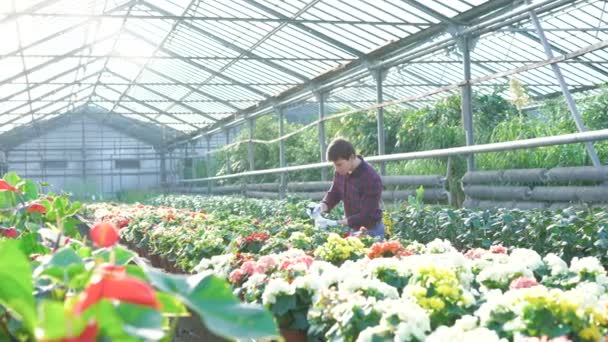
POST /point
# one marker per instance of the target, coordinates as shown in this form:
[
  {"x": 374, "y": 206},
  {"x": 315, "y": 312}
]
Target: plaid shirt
[{"x": 361, "y": 192}]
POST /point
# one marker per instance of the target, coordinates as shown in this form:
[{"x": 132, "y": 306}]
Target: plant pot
[{"x": 293, "y": 335}]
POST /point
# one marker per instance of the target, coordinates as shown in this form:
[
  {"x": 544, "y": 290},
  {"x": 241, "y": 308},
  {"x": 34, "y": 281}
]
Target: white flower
[
  {"x": 368, "y": 334},
  {"x": 439, "y": 246},
  {"x": 504, "y": 273},
  {"x": 413, "y": 320},
  {"x": 527, "y": 257},
  {"x": 275, "y": 288},
  {"x": 467, "y": 322},
  {"x": 555, "y": 264},
  {"x": 355, "y": 284},
  {"x": 587, "y": 264}
]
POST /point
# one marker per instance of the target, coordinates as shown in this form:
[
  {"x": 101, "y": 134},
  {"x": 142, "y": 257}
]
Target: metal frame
[{"x": 492, "y": 16}]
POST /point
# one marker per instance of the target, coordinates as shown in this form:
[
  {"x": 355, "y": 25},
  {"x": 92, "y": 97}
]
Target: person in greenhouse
[{"x": 358, "y": 185}]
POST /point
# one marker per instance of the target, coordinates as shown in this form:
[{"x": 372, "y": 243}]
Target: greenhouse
[{"x": 304, "y": 170}]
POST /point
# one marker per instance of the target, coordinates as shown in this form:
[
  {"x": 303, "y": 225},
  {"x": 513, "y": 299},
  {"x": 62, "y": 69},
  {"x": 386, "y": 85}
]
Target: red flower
[
  {"x": 387, "y": 249},
  {"x": 123, "y": 223},
  {"x": 4, "y": 186},
  {"x": 114, "y": 283},
  {"x": 89, "y": 334},
  {"x": 9, "y": 232},
  {"x": 36, "y": 208},
  {"x": 104, "y": 234}
]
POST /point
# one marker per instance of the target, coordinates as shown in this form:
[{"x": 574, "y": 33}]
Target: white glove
[
  {"x": 322, "y": 223},
  {"x": 313, "y": 210}
]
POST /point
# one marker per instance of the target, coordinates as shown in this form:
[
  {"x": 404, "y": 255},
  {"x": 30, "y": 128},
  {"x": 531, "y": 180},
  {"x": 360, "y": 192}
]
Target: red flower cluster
[
  {"x": 4, "y": 186},
  {"x": 123, "y": 223},
  {"x": 104, "y": 234},
  {"x": 9, "y": 232},
  {"x": 36, "y": 208},
  {"x": 114, "y": 283},
  {"x": 255, "y": 237},
  {"x": 387, "y": 249}
]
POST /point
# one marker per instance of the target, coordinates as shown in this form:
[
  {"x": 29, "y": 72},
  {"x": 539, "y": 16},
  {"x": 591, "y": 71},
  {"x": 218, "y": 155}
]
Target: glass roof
[{"x": 189, "y": 64}]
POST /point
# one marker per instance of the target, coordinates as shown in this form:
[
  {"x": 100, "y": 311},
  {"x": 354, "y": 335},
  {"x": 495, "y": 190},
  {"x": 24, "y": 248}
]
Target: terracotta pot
[{"x": 293, "y": 335}]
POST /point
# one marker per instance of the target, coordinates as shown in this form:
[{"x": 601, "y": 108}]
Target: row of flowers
[
  {"x": 61, "y": 282},
  {"x": 426, "y": 293},
  {"x": 334, "y": 287}
]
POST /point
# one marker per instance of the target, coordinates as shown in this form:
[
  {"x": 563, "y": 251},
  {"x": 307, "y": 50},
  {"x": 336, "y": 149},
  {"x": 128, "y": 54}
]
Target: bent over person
[{"x": 358, "y": 185}]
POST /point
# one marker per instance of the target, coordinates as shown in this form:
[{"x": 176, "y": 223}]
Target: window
[
  {"x": 188, "y": 162},
  {"x": 127, "y": 164},
  {"x": 54, "y": 164}
]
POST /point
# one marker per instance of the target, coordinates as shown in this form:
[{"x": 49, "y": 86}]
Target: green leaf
[
  {"x": 219, "y": 309},
  {"x": 30, "y": 190},
  {"x": 53, "y": 324},
  {"x": 74, "y": 208},
  {"x": 29, "y": 244},
  {"x": 122, "y": 256},
  {"x": 64, "y": 265},
  {"x": 16, "y": 287},
  {"x": 283, "y": 304},
  {"x": 171, "y": 305},
  {"x": 12, "y": 178},
  {"x": 140, "y": 321}
]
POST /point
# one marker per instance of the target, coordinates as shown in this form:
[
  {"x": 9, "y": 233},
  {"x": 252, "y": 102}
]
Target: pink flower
[
  {"x": 250, "y": 267},
  {"x": 543, "y": 339},
  {"x": 522, "y": 283},
  {"x": 475, "y": 253},
  {"x": 267, "y": 262},
  {"x": 498, "y": 249},
  {"x": 290, "y": 264},
  {"x": 236, "y": 276}
]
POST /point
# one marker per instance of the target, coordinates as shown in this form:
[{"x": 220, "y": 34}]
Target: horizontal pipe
[
  {"x": 454, "y": 151},
  {"x": 427, "y": 181},
  {"x": 497, "y": 192},
  {"x": 570, "y": 193}
]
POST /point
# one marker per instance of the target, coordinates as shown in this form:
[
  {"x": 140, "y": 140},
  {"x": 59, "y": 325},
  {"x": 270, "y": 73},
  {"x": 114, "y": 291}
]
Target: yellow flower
[{"x": 591, "y": 334}]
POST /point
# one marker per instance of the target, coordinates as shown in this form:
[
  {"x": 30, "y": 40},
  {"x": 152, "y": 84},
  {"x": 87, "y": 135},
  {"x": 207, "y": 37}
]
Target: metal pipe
[
  {"x": 251, "y": 146},
  {"x": 466, "y": 93},
  {"x": 453, "y": 151},
  {"x": 379, "y": 75},
  {"x": 321, "y": 97},
  {"x": 565, "y": 90},
  {"x": 283, "y": 184}
]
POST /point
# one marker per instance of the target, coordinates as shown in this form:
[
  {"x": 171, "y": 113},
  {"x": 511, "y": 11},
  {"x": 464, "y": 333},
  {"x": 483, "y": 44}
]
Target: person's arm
[
  {"x": 372, "y": 192},
  {"x": 331, "y": 198}
]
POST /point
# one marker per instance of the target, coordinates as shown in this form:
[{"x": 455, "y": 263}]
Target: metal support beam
[
  {"x": 321, "y": 97},
  {"x": 379, "y": 75},
  {"x": 309, "y": 30},
  {"x": 190, "y": 87},
  {"x": 467, "y": 110},
  {"x": 157, "y": 48},
  {"x": 564, "y": 87},
  {"x": 48, "y": 82},
  {"x": 52, "y": 60},
  {"x": 250, "y": 145},
  {"x": 232, "y": 46},
  {"x": 163, "y": 168},
  {"x": 208, "y": 163},
  {"x": 203, "y": 67},
  {"x": 283, "y": 181},
  {"x": 145, "y": 104},
  {"x": 83, "y": 150},
  {"x": 395, "y": 53},
  {"x": 227, "y": 156},
  {"x": 419, "y": 6},
  {"x": 185, "y": 105}
]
